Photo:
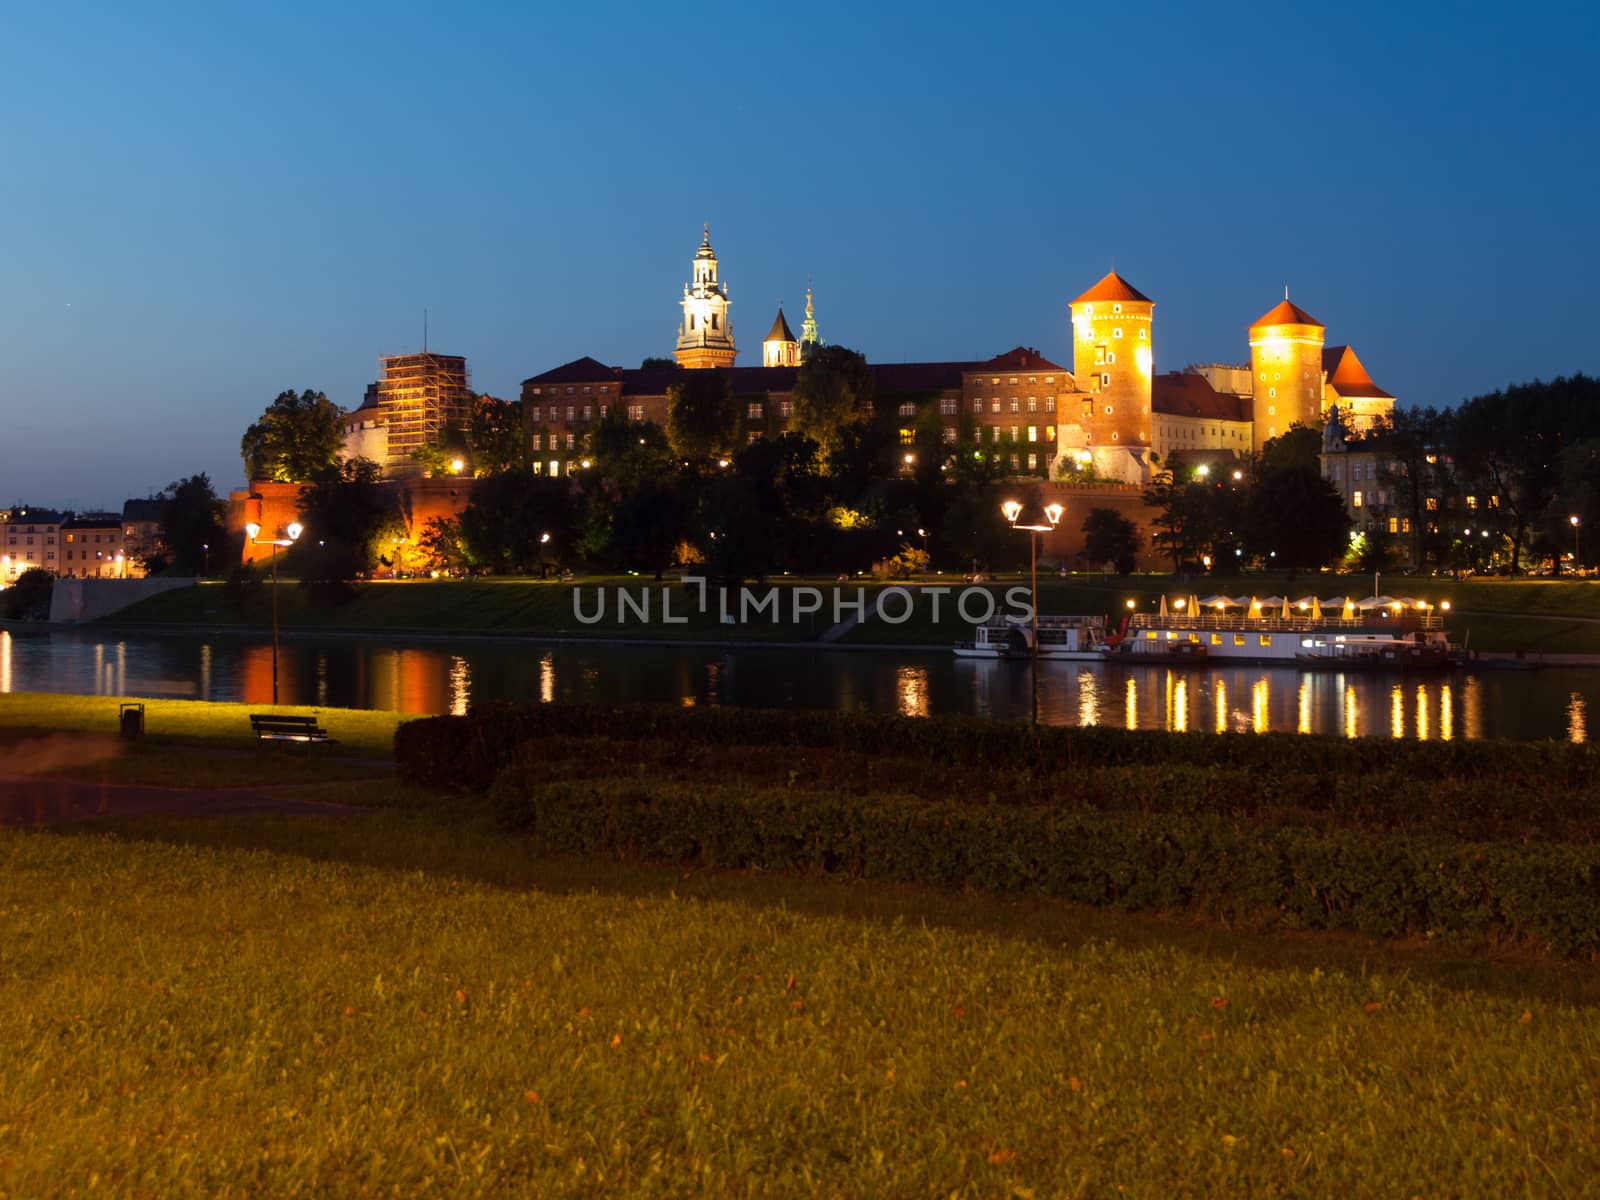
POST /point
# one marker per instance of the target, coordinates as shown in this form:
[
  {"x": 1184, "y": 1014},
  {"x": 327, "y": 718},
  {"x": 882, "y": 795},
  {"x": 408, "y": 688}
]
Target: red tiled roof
[
  {"x": 1113, "y": 287},
  {"x": 1347, "y": 376},
  {"x": 1182, "y": 394},
  {"x": 1285, "y": 313},
  {"x": 1023, "y": 358}
]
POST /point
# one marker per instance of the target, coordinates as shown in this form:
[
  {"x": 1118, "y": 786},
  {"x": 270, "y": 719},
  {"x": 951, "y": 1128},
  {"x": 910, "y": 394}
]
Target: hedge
[{"x": 1383, "y": 885}]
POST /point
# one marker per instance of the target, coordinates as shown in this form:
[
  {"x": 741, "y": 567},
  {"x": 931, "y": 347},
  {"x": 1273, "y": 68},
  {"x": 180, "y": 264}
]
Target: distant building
[
  {"x": 141, "y": 532},
  {"x": 1113, "y": 359},
  {"x": 94, "y": 547},
  {"x": 422, "y": 398},
  {"x": 365, "y": 434},
  {"x": 1191, "y": 419},
  {"x": 781, "y": 348},
  {"x": 29, "y": 540},
  {"x": 705, "y": 334}
]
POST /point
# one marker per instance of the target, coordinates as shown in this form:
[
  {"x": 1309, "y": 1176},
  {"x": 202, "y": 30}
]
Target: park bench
[{"x": 269, "y": 727}]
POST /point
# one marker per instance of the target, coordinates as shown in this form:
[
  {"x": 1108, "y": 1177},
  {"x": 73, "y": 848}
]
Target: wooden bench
[{"x": 269, "y": 727}]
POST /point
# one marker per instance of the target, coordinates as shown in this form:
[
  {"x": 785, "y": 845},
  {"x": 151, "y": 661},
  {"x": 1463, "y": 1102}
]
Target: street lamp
[
  {"x": 1035, "y": 524},
  {"x": 294, "y": 531},
  {"x": 455, "y": 466},
  {"x": 1575, "y": 535}
]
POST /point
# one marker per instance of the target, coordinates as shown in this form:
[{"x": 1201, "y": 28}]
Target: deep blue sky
[{"x": 203, "y": 205}]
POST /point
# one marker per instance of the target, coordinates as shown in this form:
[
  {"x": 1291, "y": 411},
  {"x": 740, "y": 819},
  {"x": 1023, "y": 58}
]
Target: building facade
[
  {"x": 1113, "y": 358},
  {"x": 29, "y": 540},
  {"x": 421, "y": 399}
]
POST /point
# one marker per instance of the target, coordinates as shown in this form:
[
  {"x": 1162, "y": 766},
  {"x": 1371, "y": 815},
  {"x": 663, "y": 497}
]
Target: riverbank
[{"x": 1537, "y": 619}]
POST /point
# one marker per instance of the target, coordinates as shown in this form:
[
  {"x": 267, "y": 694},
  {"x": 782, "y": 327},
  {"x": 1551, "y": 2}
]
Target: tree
[
  {"x": 442, "y": 547},
  {"x": 193, "y": 518},
  {"x": 1296, "y": 518},
  {"x": 28, "y": 599},
  {"x": 496, "y": 436},
  {"x": 1184, "y": 524},
  {"x": 506, "y": 522},
  {"x": 297, "y": 439},
  {"x": 351, "y": 524},
  {"x": 655, "y": 363},
  {"x": 433, "y": 460},
  {"x": 1109, "y": 537},
  {"x": 833, "y": 391},
  {"x": 702, "y": 419}
]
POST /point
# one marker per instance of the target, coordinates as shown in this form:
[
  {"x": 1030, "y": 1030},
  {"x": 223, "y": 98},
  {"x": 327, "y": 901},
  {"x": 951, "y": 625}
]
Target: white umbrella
[
  {"x": 1372, "y": 602},
  {"x": 1219, "y": 601},
  {"x": 1305, "y": 602}
]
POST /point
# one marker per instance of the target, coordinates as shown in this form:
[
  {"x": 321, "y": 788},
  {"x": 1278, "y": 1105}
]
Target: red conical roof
[
  {"x": 1113, "y": 287},
  {"x": 1285, "y": 313}
]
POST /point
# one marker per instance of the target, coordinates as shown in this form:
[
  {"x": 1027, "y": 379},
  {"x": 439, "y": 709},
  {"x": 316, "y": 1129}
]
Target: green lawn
[
  {"x": 1503, "y": 615},
  {"x": 206, "y": 724},
  {"x": 405, "y": 1003}
]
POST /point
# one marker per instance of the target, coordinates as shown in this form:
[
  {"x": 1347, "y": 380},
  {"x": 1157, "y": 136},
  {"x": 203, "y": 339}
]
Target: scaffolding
[{"x": 421, "y": 398}]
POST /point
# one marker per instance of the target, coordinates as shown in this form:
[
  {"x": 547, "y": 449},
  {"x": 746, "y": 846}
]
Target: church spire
[
  {"x": 809, "y": 341},
  {"x": 705, "y": 334}
]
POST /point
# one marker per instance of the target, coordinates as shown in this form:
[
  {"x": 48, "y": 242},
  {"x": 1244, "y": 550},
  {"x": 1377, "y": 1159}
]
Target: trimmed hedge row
[
  {"x": 467, "y": 751},
  {"x": 1542, "y": 894}
]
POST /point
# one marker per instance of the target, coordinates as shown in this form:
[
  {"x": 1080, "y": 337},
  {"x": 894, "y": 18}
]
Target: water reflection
[{"x": 447, "y": 677}]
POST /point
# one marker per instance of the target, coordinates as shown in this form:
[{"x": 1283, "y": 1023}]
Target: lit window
[
  {"x": 785, "y": 408},
  {"x": 1108, "y": 410},
  {"x": 1216, "y": 639},
  {"x": 906, "y": 437},
  {"x": 1014, "y": 405},
  {"x": 753, "y": 410},
  {"x": 1033, "y": 404},
  {"x": 1049, "y": 433},
  {"x": 1033, "y": 433},
  {"x": 908, "y": 410},
  {"x": 1116, "y": 308},
  {"x": 1033, "y": 462},
  {"x": 994, "y": 405},
  {"x": 1050, "y": 379},
  {"x": 588, "y": 409},
  {"x": 635, "y": 412},
  {"x": 587, "y": 390},
  {"x": 1141, "y": 335},
  {"x": 947, "y": 406},
  {"x": 977, "y": 406},
  {"x": 1012, "y": 381},
  {"x": 1355, "y": 499},
  {"x": 949, "y": 434},
  {"x": 1117, "y": 332},
  {"x": 1266, "y": 639},
  {"x": 1394, "y": 524},
  {"x": 1472, "y": 502}
]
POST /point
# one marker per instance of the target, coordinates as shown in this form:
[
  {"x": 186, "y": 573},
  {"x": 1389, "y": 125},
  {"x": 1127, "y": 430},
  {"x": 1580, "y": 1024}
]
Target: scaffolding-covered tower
[{"x": 421, "y": 398}]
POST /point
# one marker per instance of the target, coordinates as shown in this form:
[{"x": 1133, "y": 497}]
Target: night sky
[{"x": 203, "y": 205}]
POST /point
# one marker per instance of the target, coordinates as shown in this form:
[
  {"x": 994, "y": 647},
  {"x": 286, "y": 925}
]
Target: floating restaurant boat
[
  {"x": 1070, "y": 639},
  {"x": 1379, "y": 633}
]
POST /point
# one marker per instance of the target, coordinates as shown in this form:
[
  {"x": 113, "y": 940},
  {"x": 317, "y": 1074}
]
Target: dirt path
[{"x": 32, "y": 802}]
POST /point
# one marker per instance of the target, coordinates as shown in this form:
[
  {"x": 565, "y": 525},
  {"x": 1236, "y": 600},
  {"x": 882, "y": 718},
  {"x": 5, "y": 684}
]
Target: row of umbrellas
[{"x": 1284, "y": 607}]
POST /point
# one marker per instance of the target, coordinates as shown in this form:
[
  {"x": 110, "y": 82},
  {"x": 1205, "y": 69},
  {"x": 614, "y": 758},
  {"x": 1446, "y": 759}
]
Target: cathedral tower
[
  {"x": 705, "y": 336},
  {"x": 780, "y": 349},
  {"x": 809, "y": 341},
  {"x": 1285, "y": 371},
  {"x": 1113, "y": 357}
]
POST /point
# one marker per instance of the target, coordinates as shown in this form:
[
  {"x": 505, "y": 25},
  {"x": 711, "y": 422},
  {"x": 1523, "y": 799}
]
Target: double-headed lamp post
[
  {"x": 1034, "y": 524},
  {"x": 294, "y": 531}
]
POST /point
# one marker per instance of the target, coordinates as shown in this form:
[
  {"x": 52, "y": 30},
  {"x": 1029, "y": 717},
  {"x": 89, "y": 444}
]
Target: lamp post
[
  {"x": 1576, "y": 565},
  {"x": 294, "y": 531},
  {"x": 1036, "y": 524}
]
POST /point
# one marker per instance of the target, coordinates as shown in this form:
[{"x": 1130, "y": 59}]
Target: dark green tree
[
  {"x": 656, "y": 363},
  {"x": 833, "y": 393},
  {"x": 28, "y": 598},
  {"x": 297, "y": 439},
  {"x": 351, "y": 524},
  {"x": 518, "y": 522},
  {"x": 703, "y": 421},
  {"x": 1109, "y": 537},
  {"x": 193, "y": 518},
  {"x": 496, "y": 436},
  {"x": 1296, "y": 519}
]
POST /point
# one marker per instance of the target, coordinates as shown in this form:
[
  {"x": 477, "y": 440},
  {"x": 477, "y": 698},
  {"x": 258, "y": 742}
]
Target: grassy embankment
[
  {"x": 1502, "y": 615},
  {"x": 413, "y": 1003},
  {"x": 188, "y": 743}
]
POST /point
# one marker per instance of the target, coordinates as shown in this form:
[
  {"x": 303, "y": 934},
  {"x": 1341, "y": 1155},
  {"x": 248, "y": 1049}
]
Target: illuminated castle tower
[
  {"x": 1286, "y": 371},
  {"x": 809, "y": 341},
  {"x": 1112, "y": 360},
  {"x": 780, "y": 349},
  {"x": 705, "y": 337}
]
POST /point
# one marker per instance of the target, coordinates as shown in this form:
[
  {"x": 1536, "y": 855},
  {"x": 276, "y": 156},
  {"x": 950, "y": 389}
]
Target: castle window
[
  {"x": 977, "y": 406},
  {"x": 1355, "y": 499},
  {"x": 1033, "y": 433},
  {"x": 635, "y": 412},
  {"x": 1033, "y": 404},
  {"x": 947, "y": 406},
  {"x": 1015, "y": 407},
  {"x": 537, "y": 412},
  {"x": 1142, "y": 334},
  {"x": 691, "y": 321},
  {"x": 753, "y": 410},
  {"x": 1013, "y": 462},
  {"x": 1049, "y": 433},
  {"x": 908, "y": 409},
  {"x": 1088, "y": 331},
  {"x": 1113, "y": 435},
  {"x": 714, "y": 320},
  {"x": 1472, "y": 502},
  {"x": 994, "y": 405},
  {"x": 1117, "y": 332},
  {"x": 1105, "y": 380},
  {"x": 572, "y": 441},
  {"x": 1111, "y": 357},
  {"x": 906, "y": 437},
  {"x": 1099, "y": 356},
  {"x": 752, "y": 438},
  {"x": 1033, "y": 462},
  {"x": 1050, "y": 380},
  {"x": 1016, "y": 435},
  {"x": 949, "y": 434},
  {"x": 1013, "y": 381},
  {"x": 587, "y": 390},
  {"x": 1116, "y": 308},
  {"x": 1272, "y": 410},
  {"x": 1032, "y": 381},
  {"x": 588, "y": 409},
  {"x": 538, "y": 441},
  {"x": 1394, "y": 524},
  {"x": 785, "y": 408},
  {"x": 1108, "y": 410},
  {"x": 995, "y": 381}
]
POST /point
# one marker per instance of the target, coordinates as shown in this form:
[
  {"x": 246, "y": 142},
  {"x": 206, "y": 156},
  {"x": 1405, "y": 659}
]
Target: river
[{"x": 443, "y": 677}]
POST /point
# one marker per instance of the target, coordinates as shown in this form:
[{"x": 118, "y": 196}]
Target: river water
[{"x": 443, "y": 677}]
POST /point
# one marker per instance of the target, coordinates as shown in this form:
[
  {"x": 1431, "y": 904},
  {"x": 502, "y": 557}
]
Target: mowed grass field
[{"x": 407, "y": 1003}]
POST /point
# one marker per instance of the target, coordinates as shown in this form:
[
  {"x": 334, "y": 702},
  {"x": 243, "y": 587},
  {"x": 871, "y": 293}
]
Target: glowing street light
[
  {"x": 1202, "y": 471},
  {"x": 1573, "y": 519},
  {"x": 455, "y": 466},
  {"x": 1035, "y": 524},
  {"x": 294, "y": 531}
]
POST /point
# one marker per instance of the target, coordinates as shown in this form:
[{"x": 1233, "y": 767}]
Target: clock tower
[{"x": 705, "y": 335}]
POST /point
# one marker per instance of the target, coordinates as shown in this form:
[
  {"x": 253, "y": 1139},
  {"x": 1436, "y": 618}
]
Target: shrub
[{"x": 1315, "y": 878}]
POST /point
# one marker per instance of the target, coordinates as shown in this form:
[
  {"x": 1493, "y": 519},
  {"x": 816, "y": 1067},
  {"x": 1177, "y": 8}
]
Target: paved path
[{"x": 31, "y": 801}]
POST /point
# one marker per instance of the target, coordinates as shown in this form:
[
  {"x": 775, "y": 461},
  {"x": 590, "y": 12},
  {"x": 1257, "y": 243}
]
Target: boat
[
  {"x": 1061, "y": 639},
  {"x": 1396, "y": 635}
]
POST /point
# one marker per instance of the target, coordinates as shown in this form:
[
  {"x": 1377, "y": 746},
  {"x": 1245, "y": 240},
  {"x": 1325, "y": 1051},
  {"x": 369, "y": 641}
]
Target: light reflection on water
[{"x": 447, "y": 676}]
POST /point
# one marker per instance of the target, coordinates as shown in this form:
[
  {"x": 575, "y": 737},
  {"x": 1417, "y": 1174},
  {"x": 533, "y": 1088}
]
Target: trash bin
[{"x": 131, "y": 721}]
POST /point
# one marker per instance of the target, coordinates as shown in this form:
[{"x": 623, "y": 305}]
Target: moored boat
[{"x": 1070, "y": 639}]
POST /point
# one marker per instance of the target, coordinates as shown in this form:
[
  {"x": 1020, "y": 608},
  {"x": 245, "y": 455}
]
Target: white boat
[
  {"x": 1069, "y": 639},
  {"x": 1264, "y": 634}
]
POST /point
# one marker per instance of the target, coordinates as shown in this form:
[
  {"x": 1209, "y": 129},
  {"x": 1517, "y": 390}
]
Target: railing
[{"x": 1295, "y": 622}]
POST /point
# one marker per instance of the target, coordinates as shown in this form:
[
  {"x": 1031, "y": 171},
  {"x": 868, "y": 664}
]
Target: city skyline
[{"x": 194, "y": 236}]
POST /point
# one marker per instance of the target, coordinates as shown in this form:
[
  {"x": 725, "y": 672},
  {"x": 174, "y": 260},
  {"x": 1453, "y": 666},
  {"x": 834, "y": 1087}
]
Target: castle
[{"x": 1111, "y": 414}]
